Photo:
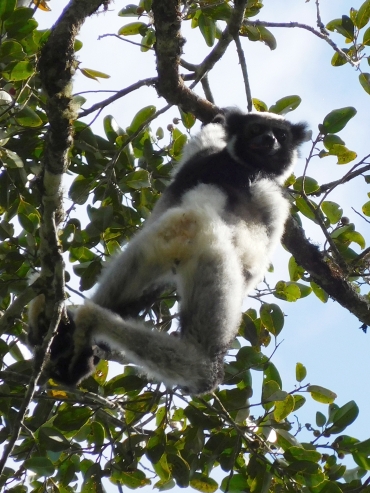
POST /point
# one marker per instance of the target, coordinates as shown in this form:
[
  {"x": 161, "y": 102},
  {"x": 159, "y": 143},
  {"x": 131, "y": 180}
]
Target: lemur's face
[{"x": 264, "y": 141}]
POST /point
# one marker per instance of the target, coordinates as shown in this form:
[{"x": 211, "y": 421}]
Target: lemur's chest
[{"x": 261, "y": 204}]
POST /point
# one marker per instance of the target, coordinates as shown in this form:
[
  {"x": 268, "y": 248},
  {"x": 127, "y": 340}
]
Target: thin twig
[
  {"x": 299, "y": 25},
  {"x": 243, "y": 65}
]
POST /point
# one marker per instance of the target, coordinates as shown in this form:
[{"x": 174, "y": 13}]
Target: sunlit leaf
[
  {"x": 93, "y": 74},
  {"x": 207, "y": 27},
  {"x": 336, "y": 120},
  {"x": 141, "y": 117},
  {"x": 332, "y": 210},
  {"x": 321, "y": 394},
  {"x": 363, "y": 14},
  {"x": 259, "y": 105},
  {"x": 300, "y": 372},
  {"x": 319, "y": 292},
  {"x": 284, "y": 105},
  {"x": 366, "y": 37},
  {"x": 284, "y": 408},
  {"x": 133, "y": 28},
  {"x": 310, "y": 184},
  {"x": 364, "y": 79},
  {"x": 272, "y": 318},
  {"x": 343, "y": 26},
  {"x": 27, "y": 118},
  {"x": 130, "y": 10}
]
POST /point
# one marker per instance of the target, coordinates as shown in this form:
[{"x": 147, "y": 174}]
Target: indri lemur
[{"x": 211, "y": 235}]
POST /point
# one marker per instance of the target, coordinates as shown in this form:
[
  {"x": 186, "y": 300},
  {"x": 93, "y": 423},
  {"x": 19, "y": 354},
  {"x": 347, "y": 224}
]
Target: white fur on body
[
  {"x": 215, "y": 255},
  {"x": 205, "y": 252}
]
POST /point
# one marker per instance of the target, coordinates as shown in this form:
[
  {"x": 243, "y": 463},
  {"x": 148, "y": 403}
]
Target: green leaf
[
  {"x": 130, "y": 10},
  {"x": 235, "y": 484},
  {"x": 320, "y": 419},
  {"x": 11, "y": 159},
  {"x": 299, "y": 401},
  {"x": 344, "y": 416},
  {"x": 272, "y": 373},
  {"x": 338, "y": 59},
  {"x": 366, "y": 208},
  {"x": 272, "y": 318},
  {"x": 269, "y": 39},
  {"x": 52, "y": 439},
  {"x": 42, "y": 466},
  {"x": 332, "y": 139},
  {"x": 80, "y": 190},
  {"x": 179, "y": 469},
  {"x": 336, "y": 120},
  {"x": 271, "y": 392},
  {"x": 188, "y": 119},
  {"x": 259, "y": 33},
  {"x": 362, "y": 461},
  {"x": 300, "y": 372},
  {"x": 11, "y": 51},
  {"x": 133, "y": 28},
  {"x": 259, "y": 105},
  {"x": 363, "y": 14},
  {"x": 140, "y": 118},
  {"x": 343, "y": 26},
  {"x": 111, "y": 128},
  {"x": 286, "y": 104},
  {"x": 156, "y": 446},
  {"x": 93, "y": 74},
  {"x": 305, "y": 209},
  {"x": 20, "y": 24},
  {"x": 251, "y": 357},
  {"x": 332, "y": 210},
  {"x": 319, "y": 292},
  {"x": 20, "y": 71},
  {"x": 284, "y": 408},
  {"x": 287, "y": 291},
  {"x": 138, "y": 179},
  {"x": 148, "y": 40},
  {"x": 295, "y": 271},
  {"x": 26, "y": 117},
  {"x": 310, "y": 184},
  {"x": 201, "y": 482},
  {"x": 6, "y": 8},
  {"x": 321, "y": 394},
  {"x": 28, "y": 216},
  {"x": 364, "y": 79},
  {"x": 207, "y": 27},
  {"x": 72, "y": 418},
  {"x": 285, "y": 440},
  {"x": 366, "y": 37},
  {"x": 343, "y": 154},
  {"x": 299, "y": 453}
]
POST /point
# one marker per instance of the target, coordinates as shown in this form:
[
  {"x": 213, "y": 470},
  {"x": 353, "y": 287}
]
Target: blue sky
[{"x": 324, "y": 337}]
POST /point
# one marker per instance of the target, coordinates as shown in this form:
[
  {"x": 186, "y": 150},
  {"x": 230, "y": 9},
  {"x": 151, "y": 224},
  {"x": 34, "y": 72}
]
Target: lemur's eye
[
  {"x": 280, "y": 134},
  {"x": 254, "y": 129}
]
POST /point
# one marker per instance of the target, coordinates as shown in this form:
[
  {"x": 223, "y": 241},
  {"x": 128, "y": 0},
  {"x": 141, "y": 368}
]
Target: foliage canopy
[{"x": 126, "y": 429}]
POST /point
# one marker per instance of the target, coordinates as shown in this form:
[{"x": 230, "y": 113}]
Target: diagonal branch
[
  {"x": 321, "y": 35},
  {"x": 324, "y": 272}
]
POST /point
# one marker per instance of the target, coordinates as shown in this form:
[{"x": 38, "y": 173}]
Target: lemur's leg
[{"x": 211, "y": 285}]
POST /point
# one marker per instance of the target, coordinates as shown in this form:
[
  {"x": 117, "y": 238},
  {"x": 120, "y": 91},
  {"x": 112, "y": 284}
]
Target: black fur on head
[{"x": 264, "y": 141}]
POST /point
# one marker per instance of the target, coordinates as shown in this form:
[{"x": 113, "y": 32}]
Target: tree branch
[
  {"x": 57, "y": 66},
  {"x": 321, "y": 35},
  {"x": 168, "y": 48},
  {"x": 324, "y": 272}
]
